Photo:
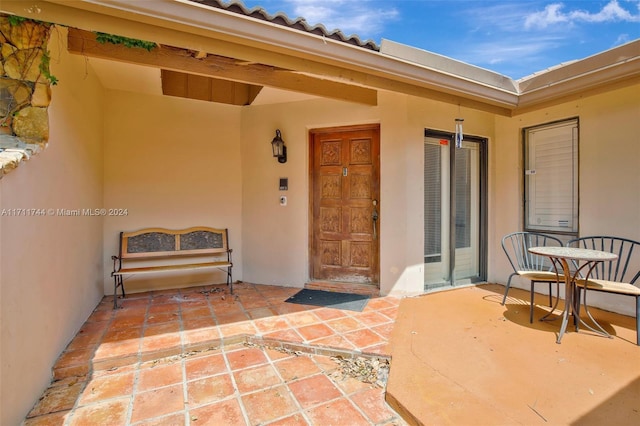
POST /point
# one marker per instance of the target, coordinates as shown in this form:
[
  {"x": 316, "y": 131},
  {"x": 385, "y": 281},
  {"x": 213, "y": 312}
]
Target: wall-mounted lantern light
[{"x": 279, "y": 150}]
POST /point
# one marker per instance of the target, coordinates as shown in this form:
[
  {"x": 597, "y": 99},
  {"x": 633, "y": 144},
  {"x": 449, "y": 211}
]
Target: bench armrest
[{"x": 117, "y": 264}]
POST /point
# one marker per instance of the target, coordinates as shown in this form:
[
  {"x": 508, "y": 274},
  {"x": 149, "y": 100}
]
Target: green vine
[
  {"x": 126, "y": 41},
  {"x": 15, "y": 21},
  {"x": 44, "y": 68}
]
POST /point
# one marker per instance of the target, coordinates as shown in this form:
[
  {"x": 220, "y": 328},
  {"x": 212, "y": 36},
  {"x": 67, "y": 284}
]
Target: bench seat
[{"x": 161, "y": 247}]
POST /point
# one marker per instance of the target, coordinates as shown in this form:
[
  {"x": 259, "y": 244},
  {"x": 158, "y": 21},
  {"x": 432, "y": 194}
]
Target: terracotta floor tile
[
  {"x": 383, "y": 349},
  {"x": 371, "y": 318},
  {"x": 53, "y": 419},
  {"x": 348, "y": 384},
  {"x": 384, "y": 330},
  {"x": 57, "y": 398},
  {"x": 268, "y": 404},
  {"x": 226, "y": 308},
  {"x": 314, "y": 390},
  {"x": 161, "y": 342},
  {"x": 295, "y": 420},
  {"x": 296, "y": 367},
  {"x": 223, "y": 413},
  {"x": 157, "y": 402},
  {"x": 121, "y": 334},
  {"x": 254, "y": 302},
  {"x": 335, "y": 413},
  {"x": 256, "y": 378},
  {"x": 246, "y": 357},
  {"x": 300, "y": 319},
  {"x": 117, "y": 349},
  {"x": 159, "y": 376},
  {"x": 391, "y": 313},
  {"x": 344, "y": 324},
  {"x": 236, "y": 329},
  {"x": 378, "y": 303},
  {"x": 363, "y": 338},
  {"x": 315, "y": 331},
  {"x": 145, "y": 367},
  {"x": 276, "y": 354},
  {"x": 209, "y": 389},
  {"x": 80, "y": 356},
  {"x": 329, "y": 313},
  {"x": 231, "y": 318},
  {"x": 270, "y": 324},
  {"x": 113, "y": 412},
  {"x": 128, "y": 321},
  {"x": 177, "y": 419},
  {"x": 169, "y": 297},
  {"x": 201, "y": 311},
  {"x": 162, "y": 317},
  {"x": 289, "y": 308},
  {"x": 264, "y": 312},
  {"x": 201, "y": 335},
  {"x": 107, "y": 387},
  {"x": 285, "y": 336},
  {"x": 204, "y": 366},
  {"x": 162, "y": 329},
  {"x": 196, "y": 323},
  {"x": 335, "y": 341},
  {"x": 371, "y": 402}
]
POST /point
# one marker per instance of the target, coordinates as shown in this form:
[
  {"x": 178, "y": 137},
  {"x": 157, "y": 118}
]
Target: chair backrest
[
  {"x": 625, "y": 269},
  {"x": 516, "y": 245}
]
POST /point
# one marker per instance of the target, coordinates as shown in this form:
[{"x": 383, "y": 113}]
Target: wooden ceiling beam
[{"x": 182, "y": 60}]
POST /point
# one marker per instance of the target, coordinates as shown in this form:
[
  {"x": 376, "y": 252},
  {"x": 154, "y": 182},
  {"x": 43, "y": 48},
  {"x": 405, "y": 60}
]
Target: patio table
[{"x": 582, "y": 259}]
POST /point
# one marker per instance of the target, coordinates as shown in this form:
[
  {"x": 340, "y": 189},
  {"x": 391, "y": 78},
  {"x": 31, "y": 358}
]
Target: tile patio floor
[{"x": 199, "y": 356}]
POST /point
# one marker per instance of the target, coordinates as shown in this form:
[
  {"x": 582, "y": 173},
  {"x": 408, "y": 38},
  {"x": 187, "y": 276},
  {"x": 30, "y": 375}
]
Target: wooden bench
[{"x": 151, "y": 250}]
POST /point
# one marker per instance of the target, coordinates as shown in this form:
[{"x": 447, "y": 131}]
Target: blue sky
[{"x": 514, "y": 38}]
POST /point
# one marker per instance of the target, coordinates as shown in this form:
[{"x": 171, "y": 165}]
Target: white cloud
[
  {"x": 553, "y": 14},
  {"x": 347, "y": 15}
]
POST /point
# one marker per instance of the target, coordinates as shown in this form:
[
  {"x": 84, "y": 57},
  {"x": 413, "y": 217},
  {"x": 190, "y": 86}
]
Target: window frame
[{"x": 573, "y": 124}]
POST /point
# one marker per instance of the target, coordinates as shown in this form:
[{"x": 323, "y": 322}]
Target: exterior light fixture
[
  {"x": 459, "y": 135},
  {"x": 279, "y": 150}
]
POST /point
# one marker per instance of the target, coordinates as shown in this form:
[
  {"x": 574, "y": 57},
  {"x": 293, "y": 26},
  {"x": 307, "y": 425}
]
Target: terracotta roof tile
[{"x": 280, "y": 18}]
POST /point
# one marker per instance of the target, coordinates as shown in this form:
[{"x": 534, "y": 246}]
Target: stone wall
[{"x": 25, "y": 90}]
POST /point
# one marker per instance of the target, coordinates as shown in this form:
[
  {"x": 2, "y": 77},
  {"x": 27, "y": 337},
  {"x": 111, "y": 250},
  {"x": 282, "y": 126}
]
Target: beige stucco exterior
[
  {"x": 51, "y": 266},
  {"x": 175, "y": 163}
]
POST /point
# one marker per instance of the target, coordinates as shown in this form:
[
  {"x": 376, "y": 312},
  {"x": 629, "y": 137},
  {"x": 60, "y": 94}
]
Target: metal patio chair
[
  {"x": 620, "y": 276},
  {"x": 536, "y": 268}
]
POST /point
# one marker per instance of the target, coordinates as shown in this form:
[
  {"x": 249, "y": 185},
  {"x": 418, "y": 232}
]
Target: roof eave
[{"x": 201, "y": 19}]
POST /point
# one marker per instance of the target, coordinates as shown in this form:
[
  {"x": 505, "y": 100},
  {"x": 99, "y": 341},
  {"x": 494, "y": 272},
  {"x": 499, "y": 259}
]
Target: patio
[{"x": 200, "y": 356}]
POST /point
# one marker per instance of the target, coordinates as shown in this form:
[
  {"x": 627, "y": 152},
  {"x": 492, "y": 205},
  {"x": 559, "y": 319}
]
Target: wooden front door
[{"x": 345, "y": 188}]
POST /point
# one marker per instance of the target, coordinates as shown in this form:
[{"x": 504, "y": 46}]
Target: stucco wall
[
  {"x": 276, "y": 238},
  {"x": 609, "y": 154},
  {"x": 51, "y": 266},
  {"x": 171, "y": 163}
]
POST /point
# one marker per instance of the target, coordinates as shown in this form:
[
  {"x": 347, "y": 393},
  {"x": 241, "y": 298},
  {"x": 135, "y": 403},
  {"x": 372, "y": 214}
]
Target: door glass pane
[
  {"x": 432, "y": 203},
  {"x": 442, "y": 266},
  {"x": 463, "y": 198}
]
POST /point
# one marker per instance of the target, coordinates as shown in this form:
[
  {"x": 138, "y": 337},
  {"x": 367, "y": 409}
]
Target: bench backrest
[{"x": 159, "y": 242}]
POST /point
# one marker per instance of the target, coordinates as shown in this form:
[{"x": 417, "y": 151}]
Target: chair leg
[
  {"x": 506, "y": 290},
  {"x": 550, "y": 298},
  {"x": 531, "y": 305}
]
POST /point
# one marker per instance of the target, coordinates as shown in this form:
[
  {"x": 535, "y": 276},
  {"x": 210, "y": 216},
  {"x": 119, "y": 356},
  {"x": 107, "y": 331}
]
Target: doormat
[{"x": 330, "y": 299}]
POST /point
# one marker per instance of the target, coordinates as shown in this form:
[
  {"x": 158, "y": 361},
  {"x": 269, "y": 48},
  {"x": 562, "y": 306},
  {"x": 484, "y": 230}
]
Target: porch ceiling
[{"x": 215, "y": 78}]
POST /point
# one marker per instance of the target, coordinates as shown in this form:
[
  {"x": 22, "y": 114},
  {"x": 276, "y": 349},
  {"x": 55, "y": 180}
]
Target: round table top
[{"x": 574, "y": 253}]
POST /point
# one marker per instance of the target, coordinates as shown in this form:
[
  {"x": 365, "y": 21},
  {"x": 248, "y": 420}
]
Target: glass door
[{"x": 452, "y": 211}]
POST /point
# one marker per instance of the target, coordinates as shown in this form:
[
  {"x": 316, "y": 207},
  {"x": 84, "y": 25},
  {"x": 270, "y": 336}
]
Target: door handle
[{"x": 374, "y": 216}]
